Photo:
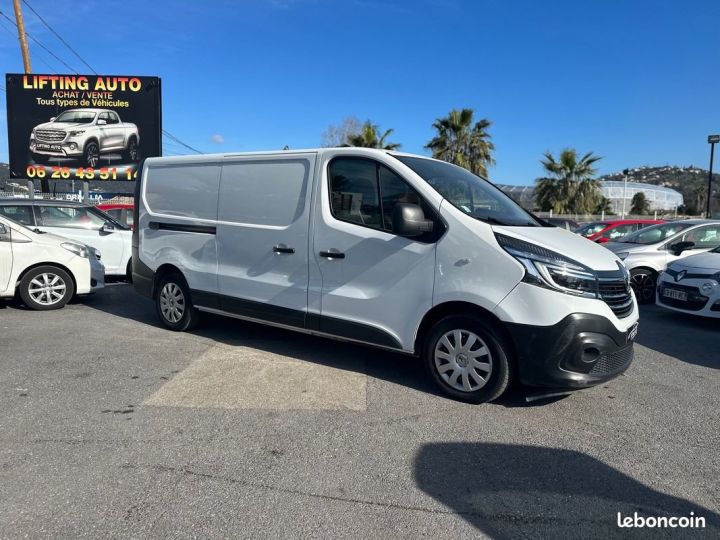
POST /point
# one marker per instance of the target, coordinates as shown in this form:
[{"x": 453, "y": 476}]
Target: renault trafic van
[{"x": 387, "y": 249}]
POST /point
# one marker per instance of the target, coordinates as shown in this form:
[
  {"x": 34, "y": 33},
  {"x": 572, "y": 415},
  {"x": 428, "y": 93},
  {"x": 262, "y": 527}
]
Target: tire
[
  {"x": 479, "y": 383},
  {"x": 46, "y": 287},
  {"x": 173, "y": 304},
  {"x": 91, "y": 155},
  {"x": 643, "y": 282},
  {"x": 132, "y": 152}
]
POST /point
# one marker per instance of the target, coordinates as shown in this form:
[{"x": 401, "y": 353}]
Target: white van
[
  {"x": 387, "y": 249},
  {"x": 45, "y": 270}
]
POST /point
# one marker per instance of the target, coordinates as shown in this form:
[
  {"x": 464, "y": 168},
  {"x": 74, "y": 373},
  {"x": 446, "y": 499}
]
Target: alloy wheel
[
  {"x": 47, "y": 289},
  {"x": 643, "y": 283},
  {"x": 172, "y": 302}
]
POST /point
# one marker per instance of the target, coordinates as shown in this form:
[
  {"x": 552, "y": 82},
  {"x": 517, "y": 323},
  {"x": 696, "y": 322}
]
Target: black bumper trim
[{"x": 581, "y": 350}]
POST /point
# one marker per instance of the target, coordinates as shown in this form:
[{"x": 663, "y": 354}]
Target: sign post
[{"x": 712, "y": 139}]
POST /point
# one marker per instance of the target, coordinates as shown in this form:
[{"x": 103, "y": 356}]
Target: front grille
[
  {"x": 613, "y": 362},
  {"x": 49, "y": 135},
  {"x": 695, "y": 301},
  {"x": 616, "y": 294}
]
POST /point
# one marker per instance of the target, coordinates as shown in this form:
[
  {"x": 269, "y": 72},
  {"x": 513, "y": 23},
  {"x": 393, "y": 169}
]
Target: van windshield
[{"x": 471, "y": 194}]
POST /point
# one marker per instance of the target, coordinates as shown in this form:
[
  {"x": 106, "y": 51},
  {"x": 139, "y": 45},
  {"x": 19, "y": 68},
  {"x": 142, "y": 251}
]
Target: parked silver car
[{"x": 648, "y": 251}]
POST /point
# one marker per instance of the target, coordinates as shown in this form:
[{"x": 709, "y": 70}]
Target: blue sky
[{"x": 637, "y": 82}]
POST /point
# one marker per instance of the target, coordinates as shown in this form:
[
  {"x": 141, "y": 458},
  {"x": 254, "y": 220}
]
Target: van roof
[{"x": 355, "y": 150}]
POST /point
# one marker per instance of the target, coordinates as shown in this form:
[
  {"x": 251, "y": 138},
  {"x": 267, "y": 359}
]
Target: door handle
[
  {"x": 332, "y": 254},
  {"x": 282, "y": 248}
]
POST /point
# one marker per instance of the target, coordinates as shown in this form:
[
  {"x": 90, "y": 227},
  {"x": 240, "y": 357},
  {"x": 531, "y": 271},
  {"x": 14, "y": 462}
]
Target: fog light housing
[
  {"x": 73, "y": 146},
  {"x": 706, "y": 287}
]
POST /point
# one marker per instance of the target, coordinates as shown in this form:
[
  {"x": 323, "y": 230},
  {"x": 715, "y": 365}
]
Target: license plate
[
  {"x": 632, "y": 332},
  {"x": 675, "y": 294},
  {"x": 51, "y": 147}
]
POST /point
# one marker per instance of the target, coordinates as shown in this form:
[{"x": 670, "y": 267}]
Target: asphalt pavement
[{"x": 112, "y": 426}]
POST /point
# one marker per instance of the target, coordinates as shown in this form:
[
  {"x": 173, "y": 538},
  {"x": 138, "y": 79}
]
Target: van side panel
[
  {"x": 262, "y": 235},
  {"x": 177, "y": 220}
]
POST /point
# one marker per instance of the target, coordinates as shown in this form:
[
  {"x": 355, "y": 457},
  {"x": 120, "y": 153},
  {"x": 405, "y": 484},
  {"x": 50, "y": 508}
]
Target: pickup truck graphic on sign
[{"x": 85, "y": 134}]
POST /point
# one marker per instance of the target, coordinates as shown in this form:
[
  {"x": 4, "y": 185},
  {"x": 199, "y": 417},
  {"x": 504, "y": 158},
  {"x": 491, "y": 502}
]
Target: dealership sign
[{"x": 81, "y": 127}]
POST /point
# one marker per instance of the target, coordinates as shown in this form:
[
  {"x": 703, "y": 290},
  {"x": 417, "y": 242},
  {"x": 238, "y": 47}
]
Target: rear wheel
[
  {"x": 46, "y": 287},
  {"x": 173, "y": 303},
  {"x": 132, "y": 153},
  {"x": 467, "y": 359},
  {"x": 643, "y": 282}
]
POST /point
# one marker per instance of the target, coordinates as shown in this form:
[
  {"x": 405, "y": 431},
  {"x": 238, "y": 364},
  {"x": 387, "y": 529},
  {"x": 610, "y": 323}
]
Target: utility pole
[
  {"x": 712, "y": 139},
  {"x": 22, "y": 37},
  {"x": 625, "y": 175}
]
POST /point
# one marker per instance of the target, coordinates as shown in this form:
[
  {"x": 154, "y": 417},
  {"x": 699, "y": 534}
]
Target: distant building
[{"x": 659, "y": 198}]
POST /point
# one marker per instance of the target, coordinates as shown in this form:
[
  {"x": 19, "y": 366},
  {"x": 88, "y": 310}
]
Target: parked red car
[
  {"x": 119, "y": 211},
  {"x": 610, "y": 231}
]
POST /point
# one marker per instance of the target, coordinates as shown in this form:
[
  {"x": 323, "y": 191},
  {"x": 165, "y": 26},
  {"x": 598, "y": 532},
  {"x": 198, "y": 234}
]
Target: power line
[
  {"x": 59, "y": 36},
  {"x": 174, "y": 138},
  {"x": 41, "y": 45},
  {"x": 14, "y": 35}
]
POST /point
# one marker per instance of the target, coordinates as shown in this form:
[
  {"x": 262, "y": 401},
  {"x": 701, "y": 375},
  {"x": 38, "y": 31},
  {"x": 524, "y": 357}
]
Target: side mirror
[
  {"x": 409, "y": 220},
  {"x": 108, "y": 227},
  {"x": 5, "y": 234},
  {"x": 3, "y": 229},
  {"x": 53, "y": 118},
  {"x": 679, "y": 247},
  {"x": 101, "y": 122}
]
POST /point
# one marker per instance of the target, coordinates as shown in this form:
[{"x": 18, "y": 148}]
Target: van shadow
[
  {"x": 520, "y": 491},
  {"x": 121, "y": 300},
  {"x": 688, "y": 338}
]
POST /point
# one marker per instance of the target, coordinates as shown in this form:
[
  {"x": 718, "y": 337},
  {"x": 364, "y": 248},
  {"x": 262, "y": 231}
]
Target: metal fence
[{"x": 94, "y": 198}]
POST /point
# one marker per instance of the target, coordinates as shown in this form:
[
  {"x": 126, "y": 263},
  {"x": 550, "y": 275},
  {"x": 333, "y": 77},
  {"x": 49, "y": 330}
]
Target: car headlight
[
  {"x": 77, "y": 249},
  {"x": 622, "y": 255},
  {"x": 76, "y": 133},
  {"x": 551, "y": 270}
]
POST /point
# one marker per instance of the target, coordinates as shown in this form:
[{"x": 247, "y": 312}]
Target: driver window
[
  {"x": 71, "y": 217},
  {"x": 354, "y": 192},
  {"x": 704, "y": 237}
]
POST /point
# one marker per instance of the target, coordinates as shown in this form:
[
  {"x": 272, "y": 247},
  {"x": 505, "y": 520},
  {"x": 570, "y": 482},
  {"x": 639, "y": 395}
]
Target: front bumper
[
  {"x": 694, "y": 300},
  {"x": 580, "y": 351},
  {"x": 59, "y": 149},
  {"x": 97, "y": 275}
]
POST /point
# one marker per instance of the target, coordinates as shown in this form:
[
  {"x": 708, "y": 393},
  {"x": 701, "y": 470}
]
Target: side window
[
  {"x": 185, "y": 191},
  {"x": 21, "y": 214},
  {"x": 618, "y": 232},
  {"x": 704, "y": 237},
  {"x": 354, "y": 192},
  {"x": 71, "y": 217},
  {"x": 112, "y": 118}
]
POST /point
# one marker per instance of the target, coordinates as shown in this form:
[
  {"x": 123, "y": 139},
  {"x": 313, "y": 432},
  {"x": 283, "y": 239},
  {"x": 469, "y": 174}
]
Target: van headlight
[
  {"x": 77, "y": 249},
  {"x": 77, "y": 133},
  {"x": 551, "y": 270}
]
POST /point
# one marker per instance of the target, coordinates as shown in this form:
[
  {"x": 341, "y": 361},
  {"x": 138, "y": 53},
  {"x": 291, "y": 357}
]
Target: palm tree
[
  {"x": 639, "y": 206},
  {"x": 368, "y": 138},
  {"x": 460, "y": 142},
  {"x": 574, "y": 191}
]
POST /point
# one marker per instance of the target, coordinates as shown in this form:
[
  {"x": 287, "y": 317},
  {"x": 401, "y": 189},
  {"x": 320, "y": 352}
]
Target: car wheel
[
  {"x": 173, "y": 303},
  {"x": 467, "y": 359},
  {"x": 91, "y": 155},
  {"x": 46, "y": 287},
  {"x": 133, "y": 151},
  {"x": 643, "y": 281}
]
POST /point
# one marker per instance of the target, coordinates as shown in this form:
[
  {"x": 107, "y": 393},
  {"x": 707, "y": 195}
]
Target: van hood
[
  {"x": 566, "y": 243},
  {"x": 702, "y": 261}
]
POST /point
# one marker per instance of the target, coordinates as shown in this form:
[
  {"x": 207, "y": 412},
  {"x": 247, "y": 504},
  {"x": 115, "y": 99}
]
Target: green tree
[
  {"x": 639, "y": 206},
  {"x": 368, "y": 138},
  {"x": 603, "y": 206},
  {"x": 570, "y": 187},
  {"x": 463, "y": 143}
]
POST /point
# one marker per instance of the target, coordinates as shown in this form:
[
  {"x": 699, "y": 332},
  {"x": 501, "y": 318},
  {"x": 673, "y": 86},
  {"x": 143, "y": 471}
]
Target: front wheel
[
  {"x": 643, "y": 282},
  {"x": 467, "y": 359},
  {"x": 46, "y": 287},
  {"x": 173, "y": 304},
  {"x": 91, "y": 155}
]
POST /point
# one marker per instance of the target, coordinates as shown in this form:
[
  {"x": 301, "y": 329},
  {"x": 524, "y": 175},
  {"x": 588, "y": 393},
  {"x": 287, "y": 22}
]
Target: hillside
[{"x": 690, "y": 181}]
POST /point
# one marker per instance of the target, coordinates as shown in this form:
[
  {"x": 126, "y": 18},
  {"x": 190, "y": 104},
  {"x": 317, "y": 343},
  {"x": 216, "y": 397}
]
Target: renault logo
[{"x": 680, "y": 275}]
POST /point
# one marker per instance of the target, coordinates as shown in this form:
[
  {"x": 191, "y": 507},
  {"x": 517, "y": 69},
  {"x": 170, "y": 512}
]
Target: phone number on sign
[{"x": 63, "y": 173}]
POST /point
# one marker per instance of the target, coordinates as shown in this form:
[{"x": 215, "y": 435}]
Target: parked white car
[
  {"x": 80, "y": 222},
  {"x": 692, "y": 285},
  {"x": 648, "y": 251},
  {"x": 393, "y": 250},
  {"x": 45, "y": 270},
  {"x": 85, "y": 134}
]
